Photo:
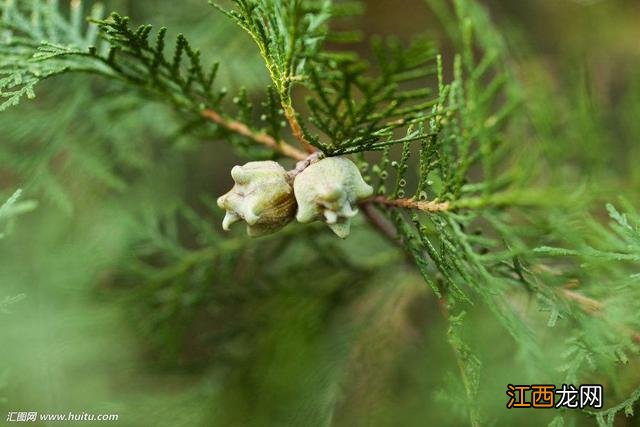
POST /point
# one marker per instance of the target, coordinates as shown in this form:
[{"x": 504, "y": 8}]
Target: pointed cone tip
[
  {"x": 341, "y": 229},
  {"x": 330, "y": 216},
  {"x": 229, "y": 219}
]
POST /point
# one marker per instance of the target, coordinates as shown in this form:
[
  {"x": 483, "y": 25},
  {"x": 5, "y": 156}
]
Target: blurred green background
[{"x": 128, "y": 310}]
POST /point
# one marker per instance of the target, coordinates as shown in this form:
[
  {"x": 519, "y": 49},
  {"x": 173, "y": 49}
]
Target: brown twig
[
  {"x": 422, "y": 205},
  {"x": 261, "y": 138},
  {"x": 303, "y": 164},
  {"x": 296, "y": 129},
  {"x": 385, "y": 227}
]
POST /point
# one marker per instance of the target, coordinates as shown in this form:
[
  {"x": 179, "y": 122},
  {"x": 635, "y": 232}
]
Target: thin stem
[
  {"x": 421, "y": 205},
  {"x": 296, "y": 129},
  {"x": 386, "y": 228},
  {"x": 303, "y": 164},
  {"x": 261, "y": 138}
]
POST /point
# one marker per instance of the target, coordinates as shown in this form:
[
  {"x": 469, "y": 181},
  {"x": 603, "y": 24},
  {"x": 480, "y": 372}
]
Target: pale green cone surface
[
  {"x": 328, "y": 191},
  {"x": 261, "y": 196}
]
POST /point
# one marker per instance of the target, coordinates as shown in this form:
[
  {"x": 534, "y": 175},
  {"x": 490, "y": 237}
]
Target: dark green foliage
[
  {"x": 133, "y": 57},
  {"x": 126, "y": 54},
  {"x": 110, "y": 48},
  {"x": 464, "y": 132},
  {"x": 358, "y": 112}
]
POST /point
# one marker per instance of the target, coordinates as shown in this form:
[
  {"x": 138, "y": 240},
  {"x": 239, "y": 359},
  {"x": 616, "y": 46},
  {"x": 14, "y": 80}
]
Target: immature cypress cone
[
  {"x": 262, "y": 196},
  {"x": 328, "y": 191}
]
